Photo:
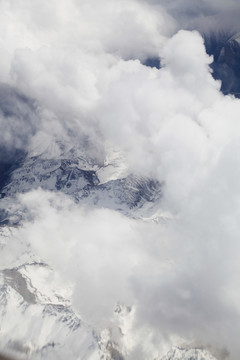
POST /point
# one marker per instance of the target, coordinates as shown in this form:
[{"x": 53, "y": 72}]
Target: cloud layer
[{"x": 74, "y": 71}]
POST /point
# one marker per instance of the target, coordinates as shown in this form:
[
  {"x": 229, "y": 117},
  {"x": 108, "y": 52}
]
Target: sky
[{"x": 74, "y": 70}]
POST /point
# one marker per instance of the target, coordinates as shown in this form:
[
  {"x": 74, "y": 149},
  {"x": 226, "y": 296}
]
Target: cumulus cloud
[
  {"x": 155, "y": 114},
  {"x": 59, "y": 55}
]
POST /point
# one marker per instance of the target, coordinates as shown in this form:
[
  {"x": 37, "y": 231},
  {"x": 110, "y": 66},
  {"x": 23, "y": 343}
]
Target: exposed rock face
[{"x": 226, "y": 66}]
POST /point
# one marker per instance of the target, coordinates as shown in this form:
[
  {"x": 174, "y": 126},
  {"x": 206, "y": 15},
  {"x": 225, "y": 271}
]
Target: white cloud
[{"x": 60, "y": 54}]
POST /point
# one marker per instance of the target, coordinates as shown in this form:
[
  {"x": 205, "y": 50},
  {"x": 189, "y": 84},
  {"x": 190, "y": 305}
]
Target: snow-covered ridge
[
  {"x": 179, "y": 353},
  {"x": 50, "y": 328},
  {"x": 29, "y": 288},
  {"x": 107, "y": 185}
]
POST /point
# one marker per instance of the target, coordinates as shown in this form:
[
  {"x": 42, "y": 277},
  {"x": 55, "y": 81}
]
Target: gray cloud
[
  {"x": 19, "y": 119},
  {"x": 202, "y": 15}
]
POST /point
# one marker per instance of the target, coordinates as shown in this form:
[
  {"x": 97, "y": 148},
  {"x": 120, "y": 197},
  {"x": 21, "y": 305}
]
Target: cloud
[
  {"x": 74, "y": 71},
  {"x": 103, "y": 255},
  {"x": 181, "y": 277},
  {"x": 61, "y": 58},
  {"x": 18, "y": 118},
  {"x": 204, "y": 16},
  {"x": 154, "y": 115}
]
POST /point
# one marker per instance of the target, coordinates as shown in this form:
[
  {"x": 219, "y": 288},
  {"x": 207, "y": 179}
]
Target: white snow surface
[{"x": 188, "y": 354}]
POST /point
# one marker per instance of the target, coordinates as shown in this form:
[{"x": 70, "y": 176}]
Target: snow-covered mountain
[
  {"x": 48, "y": 324},
  {"x": 50, "y": 328},
  {"x": 188, "y": 354},
  {"x": 74, "y": 173},
  {"x": 225, "y": 47},
  {"x": 31, "y": 291}
]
